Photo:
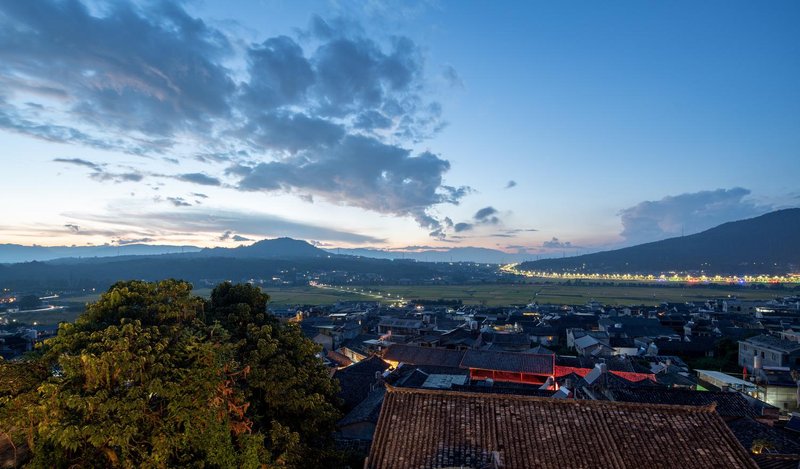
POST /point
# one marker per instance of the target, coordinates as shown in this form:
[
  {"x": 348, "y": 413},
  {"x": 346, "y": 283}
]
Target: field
[
  {"x": 490, "y": 295},
  {"x": 570, "y": 294},
  {"x": 284, "y": 295}
]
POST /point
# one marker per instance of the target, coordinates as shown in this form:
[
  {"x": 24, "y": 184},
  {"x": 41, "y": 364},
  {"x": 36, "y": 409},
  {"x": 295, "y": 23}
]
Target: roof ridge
[{"x": 708, "y": 408}]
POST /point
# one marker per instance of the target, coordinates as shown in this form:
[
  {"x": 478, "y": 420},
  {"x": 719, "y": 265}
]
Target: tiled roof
[
  {"x": 338, "y": 358},
  {"x": 777, "y": 461},
  {"x": 357, "y": 380},
  {"x": 729, "y": 404},
  {"x": 367, "y": 411},
  {"x": 437, "y": 429},
  {"x": 508, "y": 361},
  {"x": 748, "y": 431},
  {"x": 423, "y": 355}
]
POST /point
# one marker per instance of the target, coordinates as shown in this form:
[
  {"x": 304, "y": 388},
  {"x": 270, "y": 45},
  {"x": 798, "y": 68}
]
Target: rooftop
[
  {"x": 425, "y": 428},
  {"x": 773, "y": 343}
]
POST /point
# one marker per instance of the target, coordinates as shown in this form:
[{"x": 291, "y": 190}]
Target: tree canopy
[{"x": 153, "y": 376}]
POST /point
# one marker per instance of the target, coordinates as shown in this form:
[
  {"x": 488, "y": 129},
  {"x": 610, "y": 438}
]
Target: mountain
[
  {"x": 768, "y": 244},
  {"x": 284, "y": 248},
  {"x": 465, "y": 254},
  {"x": 12, "y": 253}
]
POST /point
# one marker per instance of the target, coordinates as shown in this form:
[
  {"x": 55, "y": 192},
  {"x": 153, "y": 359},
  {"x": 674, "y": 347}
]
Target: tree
[
  {"x": 152, "y": 376},
  {"x": 292, "y": 398},
  {"x": 138, "y": 383}
]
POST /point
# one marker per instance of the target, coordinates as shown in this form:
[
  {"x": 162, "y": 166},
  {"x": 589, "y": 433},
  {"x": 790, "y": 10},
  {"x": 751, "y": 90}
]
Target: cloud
[
  {"x": 556, "y": 244},
  {"x": 99, "y": 172},
  {"x": 461, "y": 227},
  {"x": 193, "y": 220},
  {"x": 199, "y": 195},
  {"x": 123, "y": 242},
  {"x": 166, "y": 80},
  {"x": 451, "y": 77},
  {"x": 199, "y": 178},
  {"x": 485, "y": 215},
  {"x": 334, "y": 117},
  {"x": 72, "y": 227},
  {"x": 230, "y": 235},
  {"x": 80, "y": 162},
  {"x": 178, "y": 202},
  {"x": 686, "y": 214},
  {"x": 362, "y": 172},
  {"x": 511, "y": 184},
  {"x": 103, "y": 176}
]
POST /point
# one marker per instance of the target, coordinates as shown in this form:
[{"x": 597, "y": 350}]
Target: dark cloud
[
  {"x": 199, "y": 178},
  {"x": 291, "y": 132},
  {"x": 511, "y": 184},
  {"x": 103, "y": 176},
  {"x": 72, "y": 227},
  {"x": 556, "y": 244},
  {"x": 333, "y": 118},
  {"x": 123, "y": 242},
  {"x": 81, "y": 162},
  {"x": 199, "y": 195},
  {"x": 231, "y": 236},
  {"x": 280, "y": 74},
  {"x": 149, "y": 68},
  {"x": 193, "y": 220},
  {"x": 178, "y": 202},
  {"x": 363, "y": 172},
  {"x": 99, "y": 172},
  {"x": 686, "y": 214},
  {"x": 485, "y": 215},
  {"x": 461, "y": 227}
]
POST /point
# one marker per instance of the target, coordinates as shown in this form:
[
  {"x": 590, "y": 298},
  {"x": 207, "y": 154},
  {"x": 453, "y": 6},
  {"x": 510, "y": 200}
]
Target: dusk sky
[{"x": 539, "y": 126}]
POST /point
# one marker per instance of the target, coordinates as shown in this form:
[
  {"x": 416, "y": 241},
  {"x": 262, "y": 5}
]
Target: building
[
  {"x": 768, "y": 351},
  {"x": 427, "y": 428}
]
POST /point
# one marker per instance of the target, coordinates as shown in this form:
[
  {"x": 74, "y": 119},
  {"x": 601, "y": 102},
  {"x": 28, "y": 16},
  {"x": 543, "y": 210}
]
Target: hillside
[{"x": 765, "y": 244}]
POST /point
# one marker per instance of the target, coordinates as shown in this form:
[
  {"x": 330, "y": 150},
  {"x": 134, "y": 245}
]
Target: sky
[{"x": 535, "y": 127}]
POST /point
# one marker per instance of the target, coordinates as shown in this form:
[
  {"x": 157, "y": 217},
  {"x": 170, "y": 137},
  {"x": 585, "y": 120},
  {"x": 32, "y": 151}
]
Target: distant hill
[
  {"x": 13, "y": 253},
  {"x": 465, "y": 254},
  {"x": 283, "y": 248},
  {"x": 766, "y": 244}
]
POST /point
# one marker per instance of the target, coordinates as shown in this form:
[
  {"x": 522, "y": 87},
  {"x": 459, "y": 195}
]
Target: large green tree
[
  {"x": 292, "y": 398},
  {"x": 137, "y": 381},
  {"x": 153, "y": 376}
]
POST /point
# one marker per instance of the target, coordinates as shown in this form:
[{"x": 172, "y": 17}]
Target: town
[{"x": 741, "y": 357}]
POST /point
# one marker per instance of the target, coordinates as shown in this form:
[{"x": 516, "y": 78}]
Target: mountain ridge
[{"x": 764, "y": 244}]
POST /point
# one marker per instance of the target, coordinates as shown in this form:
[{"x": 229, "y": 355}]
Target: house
[
  {"x": 358, "y": 380},
  {"x": 360, "y": 423},
  {"x": 402, "y": 327},
  {"x": 506, "y": 366},
  {"x": 510, "y": 342},
  {"x": 768, "y": 351},
  {"x": 446, "y": 429}
]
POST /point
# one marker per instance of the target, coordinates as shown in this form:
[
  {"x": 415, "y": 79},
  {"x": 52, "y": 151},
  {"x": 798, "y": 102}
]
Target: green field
[
  {"x": 571, "y": 294},
  {"x": 495, "y": 295},
  {"x": 278, "y": 295}
]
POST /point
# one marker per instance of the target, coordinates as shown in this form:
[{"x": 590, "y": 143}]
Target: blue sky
[{"x": 549, "y": 127}]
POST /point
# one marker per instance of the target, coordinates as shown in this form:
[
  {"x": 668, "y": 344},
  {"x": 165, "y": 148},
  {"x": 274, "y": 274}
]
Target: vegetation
[{"x": 153, "y": 376}]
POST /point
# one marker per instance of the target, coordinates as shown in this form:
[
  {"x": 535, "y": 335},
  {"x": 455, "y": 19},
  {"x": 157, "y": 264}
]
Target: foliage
[
  {"x": 291, "y": 395},
  {"x": 150, "y": 376}
]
